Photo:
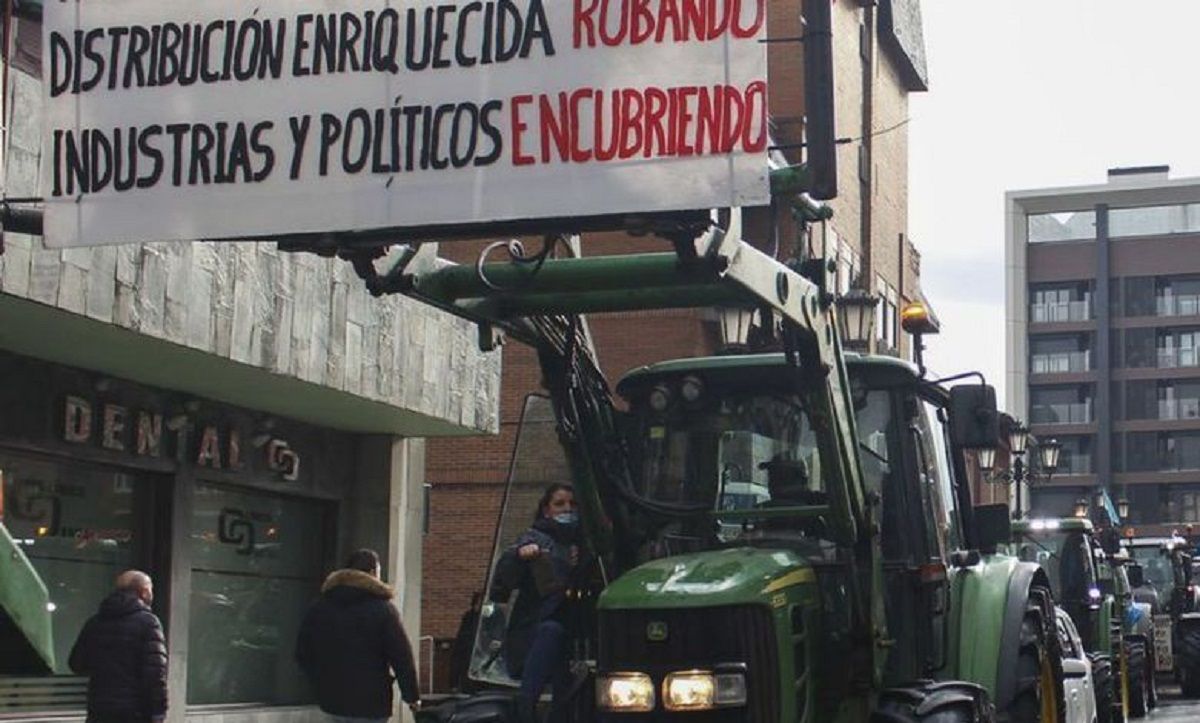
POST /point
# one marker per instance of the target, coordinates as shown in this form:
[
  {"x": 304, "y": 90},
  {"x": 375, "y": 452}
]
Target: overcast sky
[{"x": 1032, "y": 94}]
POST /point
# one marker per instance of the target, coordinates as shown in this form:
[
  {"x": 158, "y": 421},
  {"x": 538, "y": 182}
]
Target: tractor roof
[
  {"x": 754, "y": 362},
  {"x": 1053, "y": 524}
]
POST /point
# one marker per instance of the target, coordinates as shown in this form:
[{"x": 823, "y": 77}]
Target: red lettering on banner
[
  {"x": 757, "y": 92},
  {"x": 518, "y": 127},
  {"x": 634, "y": 22},
  {"x": 555, "y": 129},
  {"x": 760, "y": 16},
  {"x": 647, "y": 122}
]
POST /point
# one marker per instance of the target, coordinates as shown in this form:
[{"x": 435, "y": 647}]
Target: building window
[
  {"x": 887, "y": 317},
  {"x": 1057, "y": 303},
  {"x": 1154, "y": 220},
  {"x": 79, "y": 526},
  {"x": 1065, "y": 226},
  {"x": 1060, "y": 354},
  {"x": 1061, "y": 405},
  {"x": 257, "y": 563}
]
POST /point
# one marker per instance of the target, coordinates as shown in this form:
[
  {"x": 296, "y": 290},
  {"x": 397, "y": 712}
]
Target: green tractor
[
  {"x": 1160, "y": 579},
  {"x": 26, "y": 641},
  {"x": 783, "y": 536},
  {"x": 1089, "y": 574},
  {"x": 1171, "y": 564}
]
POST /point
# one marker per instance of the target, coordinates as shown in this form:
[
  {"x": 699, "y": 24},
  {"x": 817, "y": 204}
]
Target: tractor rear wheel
[
  {"x": 1139, "y": 696},
  {"x": 1187, "y": 659},
  {"x": 927, "y": 701},
  {"x": 1107, "y": 709},
  {"x": 1039, "y": 692}
]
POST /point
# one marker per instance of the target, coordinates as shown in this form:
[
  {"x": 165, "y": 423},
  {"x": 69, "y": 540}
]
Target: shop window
[
  {"x": 257, "y": 563},
  {"x": 79, "y": 527}
]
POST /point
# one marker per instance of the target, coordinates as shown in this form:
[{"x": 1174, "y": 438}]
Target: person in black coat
[
  {"x": 351, "y": 644},
  {"x": 541, "y": 567},
  {"x": 124, "y": 654}
]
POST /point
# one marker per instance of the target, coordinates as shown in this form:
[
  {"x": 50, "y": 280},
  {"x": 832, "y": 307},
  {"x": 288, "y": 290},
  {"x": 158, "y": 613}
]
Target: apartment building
[{"x": 1103, "y": 332}]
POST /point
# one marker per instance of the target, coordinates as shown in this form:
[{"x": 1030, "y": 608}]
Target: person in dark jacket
[
  {"x": 124, "y": 654},
  {"x": 351, "y": 644},
  {"x": 541, "y": 566}
]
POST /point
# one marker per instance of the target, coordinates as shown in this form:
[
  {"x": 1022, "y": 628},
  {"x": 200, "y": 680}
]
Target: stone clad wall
[{"x": 290, "y": 314}]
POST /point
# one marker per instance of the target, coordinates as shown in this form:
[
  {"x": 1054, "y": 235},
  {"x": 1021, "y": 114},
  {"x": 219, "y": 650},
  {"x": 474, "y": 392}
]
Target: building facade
[
  {"x": 230, "y": 418},
  {"x": 1103, "y": 332},
  {"x": 879, "y": 60}
]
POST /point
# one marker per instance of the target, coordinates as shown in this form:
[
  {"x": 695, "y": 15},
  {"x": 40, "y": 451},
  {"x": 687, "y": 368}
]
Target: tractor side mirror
[
  {"x": 1137, "y": 576},
  {"x": 992, "y": 526},
  {"x": 974, "y": 419}
]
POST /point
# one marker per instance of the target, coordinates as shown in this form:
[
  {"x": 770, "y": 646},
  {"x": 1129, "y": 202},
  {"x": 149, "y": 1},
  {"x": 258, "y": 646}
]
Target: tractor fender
[
  {"x": 990, "y": 599},
  {"x": 1024, "y": 575}
]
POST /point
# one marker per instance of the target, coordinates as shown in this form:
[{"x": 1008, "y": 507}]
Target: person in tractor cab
[{"x": 541, "y": 566}]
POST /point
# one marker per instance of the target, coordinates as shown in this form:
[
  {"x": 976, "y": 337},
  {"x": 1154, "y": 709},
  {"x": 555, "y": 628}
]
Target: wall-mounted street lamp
[
  {"x": 1019, "y": 473},
  {"x": 736, "y": 323},
  {"x": 856, "y": 318},
  {"x": 1081, "y": 508}
]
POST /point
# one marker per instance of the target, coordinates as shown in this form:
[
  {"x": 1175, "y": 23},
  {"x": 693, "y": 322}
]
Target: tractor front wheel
[
  {"x": 1187, "y": 659},
  {"x": 1139, "y": 695},
  {"x": 1107, "y": 708},
  {"x": 927, "y": 701},
  {"x": 1039, "y": 692}
]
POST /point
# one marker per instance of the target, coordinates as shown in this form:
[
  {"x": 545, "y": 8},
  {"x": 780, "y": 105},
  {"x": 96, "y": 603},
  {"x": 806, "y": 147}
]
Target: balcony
[
  {"x": 1079, "y": 413},
  {"x": 1170, "y": 409},
  {"x": 1065, "y": 311},
  {"x": 1075, "y": 464},
  {"x": 1178, "y": 305},
  {"x": 1175, "y": 358},
  {"x": 1061, "y": 363}
]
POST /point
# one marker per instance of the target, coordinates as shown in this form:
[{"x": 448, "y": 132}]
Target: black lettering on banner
[
  {"x": 263, "y": 149},
  {"x": 151, "y": 152},
  {"x": 492, "y": 131},
  {"x": 299, "y": 126},
  {"x": 358, "y": 161},
  {"x": 331, "y": 131},
  {"x": 239, "y": 155},
  {"x": 203, "y": 140}
]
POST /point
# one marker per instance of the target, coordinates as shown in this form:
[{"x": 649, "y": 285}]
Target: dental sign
[{"x": 229, "y": 119}]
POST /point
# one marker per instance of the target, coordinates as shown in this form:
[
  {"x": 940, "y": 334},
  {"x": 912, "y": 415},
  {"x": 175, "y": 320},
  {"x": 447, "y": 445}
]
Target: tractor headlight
[
  {"x": 702, "y": 690},
  {"x": 625, "y": 693}
]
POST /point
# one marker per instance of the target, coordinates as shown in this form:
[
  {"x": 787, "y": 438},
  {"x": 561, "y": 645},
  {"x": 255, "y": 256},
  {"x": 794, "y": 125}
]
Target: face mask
[{"x": 566, "y": 518}]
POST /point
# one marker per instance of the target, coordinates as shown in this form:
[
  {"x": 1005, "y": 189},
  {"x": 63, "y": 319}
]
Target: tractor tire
[
  {"x": 1104, "y": 684},
  {"x": 1039, "y": 693},
  {"x": 1187, "y": 659},
  {"x": 1151, "y": 674},
  {"x": 1139, "y": 694},
  {"x": 927, "y": 701}
]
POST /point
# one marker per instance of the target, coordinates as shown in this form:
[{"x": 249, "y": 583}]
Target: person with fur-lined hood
[{"x": 352, "y": 645}]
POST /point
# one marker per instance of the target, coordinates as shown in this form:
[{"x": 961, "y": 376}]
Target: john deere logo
[{"x": 656, "y": 632}]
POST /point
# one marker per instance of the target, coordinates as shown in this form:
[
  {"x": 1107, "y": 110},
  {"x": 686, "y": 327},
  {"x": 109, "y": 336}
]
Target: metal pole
[{"x": 1018, "y": 481}]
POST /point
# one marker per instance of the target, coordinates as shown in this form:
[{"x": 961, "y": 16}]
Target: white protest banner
[{"x": 230, "y": 119}]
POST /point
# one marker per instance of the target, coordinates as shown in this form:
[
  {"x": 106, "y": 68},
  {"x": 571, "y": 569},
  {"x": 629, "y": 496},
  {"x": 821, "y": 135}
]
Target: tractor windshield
[
  {"x": 1156, "y": 565},
  {"x": 1064, "y": 556},
  {"x": 735, "y": 452}
]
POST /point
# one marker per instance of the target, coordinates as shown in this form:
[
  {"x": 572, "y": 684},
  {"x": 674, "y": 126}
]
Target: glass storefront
[
  {"x": 79, "y": 526},
  {"x": 257, "y": 563}
]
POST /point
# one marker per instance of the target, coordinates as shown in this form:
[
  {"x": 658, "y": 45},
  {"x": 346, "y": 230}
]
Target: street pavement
[{"x": 1174, "y": 709}]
